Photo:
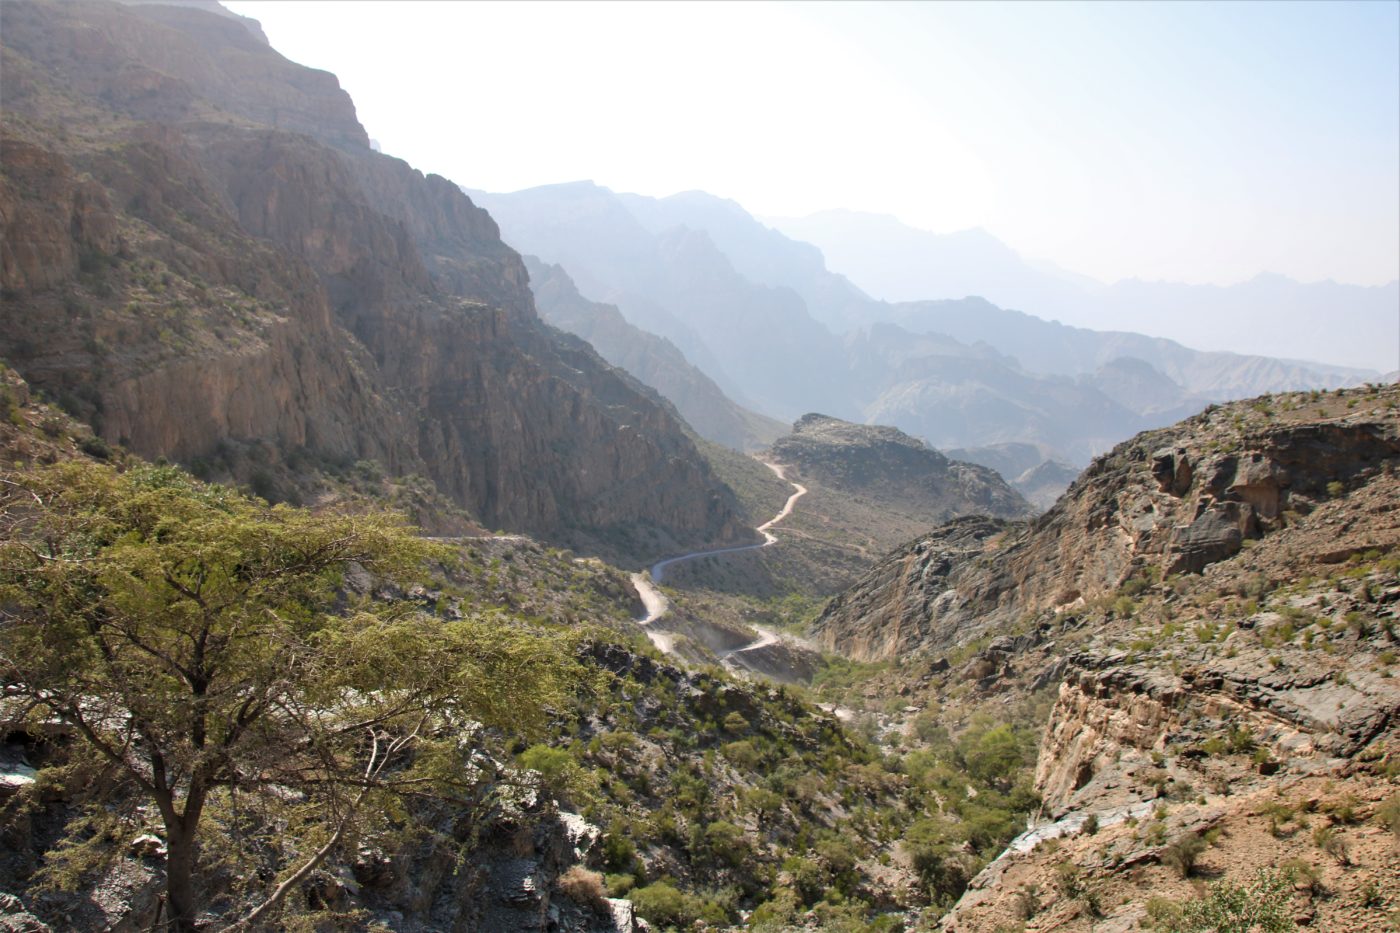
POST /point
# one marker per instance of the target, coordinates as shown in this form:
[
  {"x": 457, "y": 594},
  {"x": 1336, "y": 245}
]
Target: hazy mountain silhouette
[
  {"x": 1272, "y": 315},
  {"x": 737, "y": 298},
  {"x": 758, "y": 252},
  {"x": 756, "y": 341},
  {"x": 1051, "y": 347},
  {"x": 653, "y": 360}
]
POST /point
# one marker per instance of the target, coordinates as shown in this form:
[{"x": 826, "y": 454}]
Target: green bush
[
  {"x": 727, "y": 842},
  {"x": 1261, "y": 905},
  {"x": 993, "y": 755},
  {"x": 557, "y": 767},
  {"x": 662, "y": 904}
]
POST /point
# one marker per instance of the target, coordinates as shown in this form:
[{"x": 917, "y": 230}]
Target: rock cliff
[
  {"x": 1171, "y": 501},
  {"x": 203, "y": 257},
  {"x": 1213, "y": 609}
]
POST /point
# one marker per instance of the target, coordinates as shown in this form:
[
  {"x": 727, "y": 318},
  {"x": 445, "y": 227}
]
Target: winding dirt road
[{"x": 657, "y": 605}]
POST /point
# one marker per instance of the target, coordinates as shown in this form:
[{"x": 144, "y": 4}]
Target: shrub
[
  {"x": 1388, "y": 814},
  {"x": 1241, "y": 740},
  {"x": 1327, "y": 839},
  {"x": 620, "y": 884},
  {"x": 1261, "y": 905},
  {"x": 95, "y": 447},
  {"x": 727, "y": 842},
  {"x": 994, "y": 755},
  {"x": 1090, "y": 824},
  {"x": 1069, "y": 879},
  {"x": 1303, "y": 872},
  {"x": 661, "y": 903},
  {"x": 555, "y": 766},
  {"x": 1341, "y": 809},
  {"x": 584, "y": 887},
  {"x": 1181, "y": 856},
  {"x": 1027, "y": 903},
  {"x": 665, "y": 906}
]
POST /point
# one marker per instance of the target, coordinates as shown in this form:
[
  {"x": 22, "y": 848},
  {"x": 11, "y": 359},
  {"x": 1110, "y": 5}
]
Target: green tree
[
  {"x": 992, "y": 756},
  {"x": 198, "y": 642}
]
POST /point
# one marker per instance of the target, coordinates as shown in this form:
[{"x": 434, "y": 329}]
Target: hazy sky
[{"x": 1197, "y": 142}]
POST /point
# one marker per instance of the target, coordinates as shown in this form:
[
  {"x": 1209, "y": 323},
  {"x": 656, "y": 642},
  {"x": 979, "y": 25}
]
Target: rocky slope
[
  {"x": 1169, "y": 501},
  {"x": 1215, "y": 607},
  {"x": 203, "y": 257},
  {"x": 894, "y": 469},
  {"x": 653, "y": 360}
]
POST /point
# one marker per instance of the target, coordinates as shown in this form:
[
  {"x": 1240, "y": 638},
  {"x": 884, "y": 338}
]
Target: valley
[{"x": 382, "y": 553}]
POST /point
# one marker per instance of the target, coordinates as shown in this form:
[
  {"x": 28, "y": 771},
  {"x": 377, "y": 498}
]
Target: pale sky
[{"x": 1194, "y": 142}]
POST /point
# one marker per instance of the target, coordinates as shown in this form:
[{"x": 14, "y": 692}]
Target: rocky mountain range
[
  {"x": 247, "y": 288},
  {"x": 890, "y": 679},
  {"x": 760, "y": 314},
  {"x": 654, "y": 361},
  {"x": 1270, "y": 314},
  {"x": 890, "y": 467}
]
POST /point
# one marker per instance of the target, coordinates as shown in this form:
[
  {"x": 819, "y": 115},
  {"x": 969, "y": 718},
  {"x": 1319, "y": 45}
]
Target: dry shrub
[{"x": 584, "y": 887}]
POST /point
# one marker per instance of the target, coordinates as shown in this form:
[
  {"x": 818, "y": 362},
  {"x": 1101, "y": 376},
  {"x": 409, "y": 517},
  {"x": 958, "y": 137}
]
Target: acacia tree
[{"x": 199, "y": 644}]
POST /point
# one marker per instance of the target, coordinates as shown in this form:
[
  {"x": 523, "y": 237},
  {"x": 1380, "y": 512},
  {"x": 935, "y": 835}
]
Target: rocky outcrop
[
  {"x": 1171, "y": 501},
  {"x": 1250, "y": 700},
  {"x": 245, "y": 284},
  {"x": 908, "y": 602},
  {"x": 57, "y": 223}
]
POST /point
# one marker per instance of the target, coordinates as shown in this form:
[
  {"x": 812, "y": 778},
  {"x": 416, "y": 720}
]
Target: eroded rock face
[
  {"x": 201, "y": 254},
  {"x": 1098, "y": 718},
  {"x": 1171, "y": 501},
  {"x": 52, "y": 218},
  {"x": 910, "y": 601}
]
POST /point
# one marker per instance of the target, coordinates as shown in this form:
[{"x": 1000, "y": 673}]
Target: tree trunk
[{"x": 179, "y": 880}]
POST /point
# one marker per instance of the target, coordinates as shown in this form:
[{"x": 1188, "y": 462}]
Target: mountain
[
  {"x": 867, "y": 489},
  {"x": 1356, "y": 327},
  {"x": 756, "y": 311},
  {"x": 759, "y": 253},
  {"x": 891, "y": 468},
  {"x": 953, "y": 395},
  {"x": 203, "y": 257},
  {"x": 1175, "y": 500},
  {"x": 759, "y": 343},
  {"x": 1210, "y": 613},
  {"x": 1051, "y": 347},
  {"x": 652, "y": 360},
  {"x": 894, "y": 262},
  {"x": 1033, "y": 470}
]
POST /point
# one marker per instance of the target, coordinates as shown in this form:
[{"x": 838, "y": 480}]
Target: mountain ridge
[{"x": 252, "y": 300}]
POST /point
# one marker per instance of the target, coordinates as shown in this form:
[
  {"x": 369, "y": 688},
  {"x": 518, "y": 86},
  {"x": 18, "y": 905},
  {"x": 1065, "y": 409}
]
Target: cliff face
[
  {"x": 1171, "y": 501},
  {"x": 1212, "y": 611},
  {"x": 202, "y": 256}
]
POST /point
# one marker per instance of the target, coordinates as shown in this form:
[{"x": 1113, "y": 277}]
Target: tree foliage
[{"x": 202, "y": 646}]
